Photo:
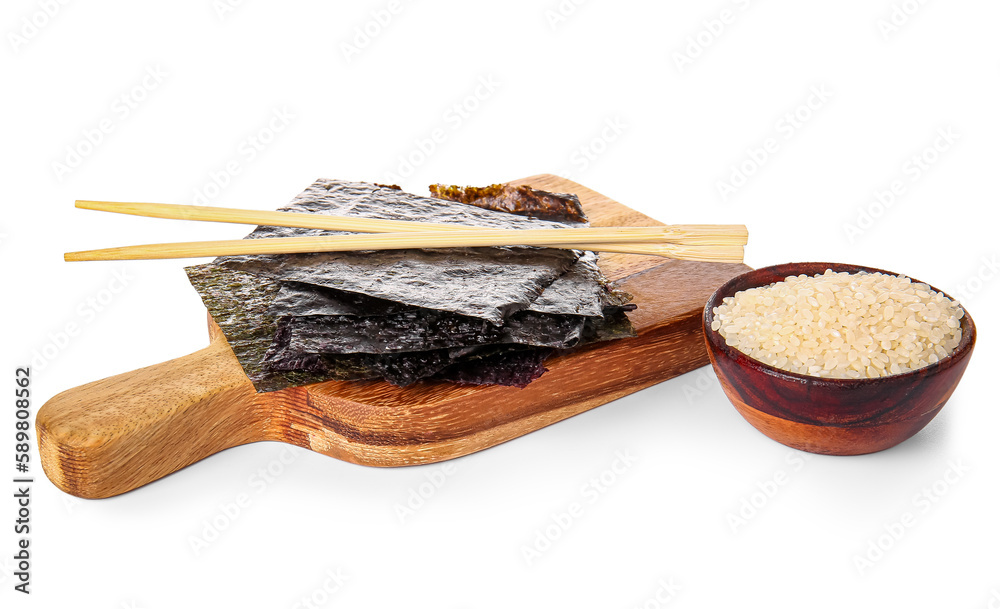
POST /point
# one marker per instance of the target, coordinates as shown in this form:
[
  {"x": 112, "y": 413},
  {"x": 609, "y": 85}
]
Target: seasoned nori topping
[{"x": 520, "y": 200}]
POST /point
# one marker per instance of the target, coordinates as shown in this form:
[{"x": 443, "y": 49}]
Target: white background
[{"x": 687, "y": 109}]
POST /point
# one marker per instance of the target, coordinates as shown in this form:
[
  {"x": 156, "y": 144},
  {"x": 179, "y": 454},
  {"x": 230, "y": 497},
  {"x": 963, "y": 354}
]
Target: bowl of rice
[{"x": 836, "y": 359}]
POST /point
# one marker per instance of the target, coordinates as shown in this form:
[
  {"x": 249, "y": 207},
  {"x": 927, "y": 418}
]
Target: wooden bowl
[{"x": 830, "y": 416}]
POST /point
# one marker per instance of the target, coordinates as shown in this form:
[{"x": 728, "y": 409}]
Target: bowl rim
[{"x": 715, "y": 339}]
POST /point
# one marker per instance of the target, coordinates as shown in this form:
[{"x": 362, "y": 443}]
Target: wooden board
[{"x": 116, "y": 434}]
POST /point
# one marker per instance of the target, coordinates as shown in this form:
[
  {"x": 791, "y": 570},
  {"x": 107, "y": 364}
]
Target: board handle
[{"x": 111, "y": 436}]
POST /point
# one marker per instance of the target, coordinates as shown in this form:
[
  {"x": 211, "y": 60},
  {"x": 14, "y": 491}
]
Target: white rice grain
[{"x": 842, "y": 325}]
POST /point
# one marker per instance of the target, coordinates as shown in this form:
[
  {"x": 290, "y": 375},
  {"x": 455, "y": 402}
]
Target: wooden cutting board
[{"x": 116, "y": 434}]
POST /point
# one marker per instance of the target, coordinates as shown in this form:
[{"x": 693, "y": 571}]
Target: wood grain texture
[
  {"x": 825, "y": 415},
  {"x": 116, "y": 434}
]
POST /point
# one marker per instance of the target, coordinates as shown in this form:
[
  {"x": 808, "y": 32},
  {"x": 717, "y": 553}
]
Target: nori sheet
[
  {"x": 251, "y": 297},
  {"x": 240, "y": 304},
  {"x": 500, "y": 365},
  {"x": 419, "y": 330},
  {"x": 512, "y": 368},
  {"x": 408, "y": 368},
  {"x": 613, "y": 325},
  {"x": 580, "y": 291},
  {"x": 400, "y": 369},
  {"x": 483, "y": 282},
  {"x": 414, "y": 330},
  {"x": 299, "y": 299}
]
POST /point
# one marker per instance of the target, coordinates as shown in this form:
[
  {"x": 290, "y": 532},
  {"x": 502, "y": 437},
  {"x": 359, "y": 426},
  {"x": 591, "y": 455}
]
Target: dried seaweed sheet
[
  {"x": 575, "y": 291},
  {"x": 399, "y": 369},
  {"x": 251, "y": 305},
  {"x": 580, "y": 291},
  {"x": 512, "y": 368},
  {"x": 299, "y": 299},
  {"x": 614, "y": 325},
  {"x": 476, "y": 365},
  {"x": 408, "y": 368},
  {"x": 419, "y": 330},
  {"x": 240, "y": 304},
  {"x": 412, "y": 330},
  {"x": 483, "y": 282}
]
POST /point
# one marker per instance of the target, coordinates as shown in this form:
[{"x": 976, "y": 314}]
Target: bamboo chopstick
[
  {"x": 704, "y": 242},
  {"x": 616, "y": 238},
  {"x": 689, "y": 234}
]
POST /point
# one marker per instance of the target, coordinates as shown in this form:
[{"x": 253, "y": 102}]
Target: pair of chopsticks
[{"x": 702, "y": 242}]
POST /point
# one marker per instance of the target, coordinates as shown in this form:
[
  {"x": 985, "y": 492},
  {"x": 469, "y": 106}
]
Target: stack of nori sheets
[{"x": 467, "y": 315}]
